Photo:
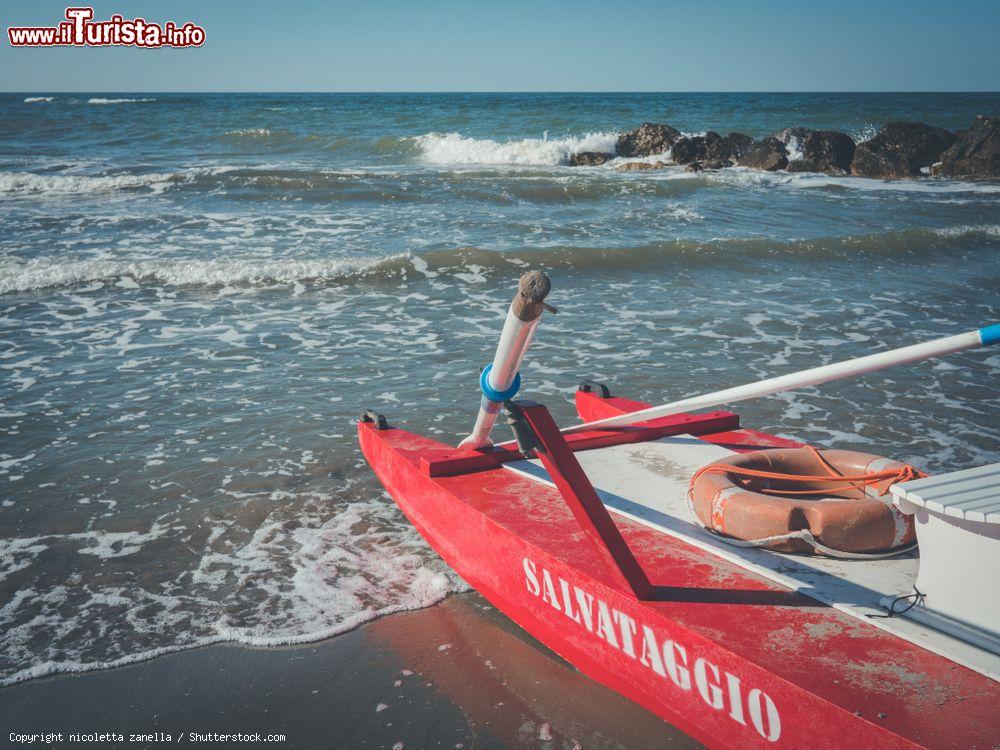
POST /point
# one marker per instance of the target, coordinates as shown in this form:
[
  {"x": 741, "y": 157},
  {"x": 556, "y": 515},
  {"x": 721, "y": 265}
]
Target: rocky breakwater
[
  {"x": 828, "y": 151},
  {"x": 901, "y": 149},
  {"x": 898, "y": 150},
  {"x": 590, "y": 158},
  {"x": 646, "y": 140},
  {"x": 710, "y": 151},
  {"x": 976, "y": 151},
  {"x": 768, "y": 154},
  {"x": 649, "y": 139}
]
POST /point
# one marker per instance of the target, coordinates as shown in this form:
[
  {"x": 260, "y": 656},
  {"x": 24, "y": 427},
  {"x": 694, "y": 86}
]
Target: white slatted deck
[
  {"x": 972, "y": 494},
  {"x": 648, "y": 483}
]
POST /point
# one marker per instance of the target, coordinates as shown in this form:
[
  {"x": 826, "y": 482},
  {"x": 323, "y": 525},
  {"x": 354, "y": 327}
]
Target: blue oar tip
[{"x": 990, "y": 334}]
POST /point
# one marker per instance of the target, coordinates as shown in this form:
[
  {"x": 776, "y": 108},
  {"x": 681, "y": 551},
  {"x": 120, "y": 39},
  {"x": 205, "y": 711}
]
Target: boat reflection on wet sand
[
  {"x": 511, "y": 688},
  {"x": 457, "y": 675}
]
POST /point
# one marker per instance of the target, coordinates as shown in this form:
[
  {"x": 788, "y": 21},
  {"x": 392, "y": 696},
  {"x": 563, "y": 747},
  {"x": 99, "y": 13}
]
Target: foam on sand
[
  {"x": 284, "y": 584},
  {"x": 453, "y": 148}
]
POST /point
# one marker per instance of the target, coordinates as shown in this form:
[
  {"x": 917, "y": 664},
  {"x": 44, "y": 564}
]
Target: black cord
[{"x": 917, "y": 596}]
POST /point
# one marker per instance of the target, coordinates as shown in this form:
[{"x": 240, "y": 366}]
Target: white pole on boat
[
  {"x": 939, "y": 347},
  {"x": 500, "y": 380}
]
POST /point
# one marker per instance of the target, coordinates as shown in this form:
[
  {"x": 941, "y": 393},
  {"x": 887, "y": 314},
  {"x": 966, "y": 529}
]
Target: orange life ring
[{"x": 776, "y": 493}]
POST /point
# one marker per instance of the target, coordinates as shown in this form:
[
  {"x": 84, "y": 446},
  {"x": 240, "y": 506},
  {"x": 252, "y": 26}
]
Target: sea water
[{"x": 199, "y": 294}]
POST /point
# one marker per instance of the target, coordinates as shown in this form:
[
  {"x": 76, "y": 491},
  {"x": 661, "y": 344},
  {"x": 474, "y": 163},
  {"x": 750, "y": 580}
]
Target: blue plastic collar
[
  {"x": 494, "y": 395},
  {"x": 990, "y": 334}
]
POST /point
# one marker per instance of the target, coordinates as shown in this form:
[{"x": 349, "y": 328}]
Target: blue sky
[{"x": 630, "y": 45}]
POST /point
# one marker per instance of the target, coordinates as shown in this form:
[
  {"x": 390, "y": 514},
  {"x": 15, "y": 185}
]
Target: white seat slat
[
  {"x": 952, "y": 489},
  {"x": 974, "y": 505},
  {"x": 953, "y": 476},
  {"x": 986, "y": 498},
  {"x": 973, "y": 494}
]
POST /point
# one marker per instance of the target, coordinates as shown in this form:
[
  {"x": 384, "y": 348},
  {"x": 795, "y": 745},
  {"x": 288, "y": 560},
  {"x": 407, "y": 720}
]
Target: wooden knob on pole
[{"x": 529, "y": 301}]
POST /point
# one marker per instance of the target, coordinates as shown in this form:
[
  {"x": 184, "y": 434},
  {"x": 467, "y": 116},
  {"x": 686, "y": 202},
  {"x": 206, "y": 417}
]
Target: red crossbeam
[
  {"x": 570, "y": 479},
  {"x": 462, "y": 462}
]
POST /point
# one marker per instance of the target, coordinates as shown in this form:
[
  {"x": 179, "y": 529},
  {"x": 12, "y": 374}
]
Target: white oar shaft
[
  {"x": 814, "y": 376},
  {"x": 518, "y": 330}
]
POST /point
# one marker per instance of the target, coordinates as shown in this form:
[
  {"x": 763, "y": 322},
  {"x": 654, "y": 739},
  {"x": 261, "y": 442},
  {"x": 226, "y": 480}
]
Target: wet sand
[{"x": 456, "y": 675}]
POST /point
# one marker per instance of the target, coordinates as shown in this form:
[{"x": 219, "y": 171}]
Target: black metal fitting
[
  {"x": 592, "y": 386},
  {"x": 377, "y": 419}
]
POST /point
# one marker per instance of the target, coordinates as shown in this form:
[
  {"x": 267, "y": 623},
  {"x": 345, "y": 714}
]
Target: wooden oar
[
  {"x": 500, "y": 380},
  {"x": 939, "y": 347}
]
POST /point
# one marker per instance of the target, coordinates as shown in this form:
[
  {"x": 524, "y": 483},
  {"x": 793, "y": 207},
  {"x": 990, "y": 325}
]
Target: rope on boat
[{"x": 857, "y": 481}]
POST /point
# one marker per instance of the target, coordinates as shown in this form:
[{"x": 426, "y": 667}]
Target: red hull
[{"x": 730, "y": 658}]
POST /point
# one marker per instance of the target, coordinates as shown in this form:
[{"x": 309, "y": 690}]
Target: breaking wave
[
  {"x": 744, "y": 177},
  {"x": 966, "y": 230},
  {"x": 33, "y": 99},
  {"x": 101, "y": 100},
  {"x": 30, "y": 183},
  {"x": 45, "y": 273},
  {"x": 254, "y": 133},
  {"x": 452, "y": 148}
]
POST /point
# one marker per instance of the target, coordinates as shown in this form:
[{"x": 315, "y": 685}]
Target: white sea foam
[
  {"x": 990, "y": 230},
  {"x": 250, "y": 132},
  {"x": 30, "y": 183},
  {"x": 864, "y": 133},
  {"x": 453, "y": 148},
  {"x": 33, "y": 99},
  {"x": 915, "y": 185},
  {"x": 101, "y": 100},
  {"x": 107, "y": 545},
  {"x": 751, "y": 178},
  {"x": 793, "y": 148},
  {"x": 683, "y": 213},
  {"x": 308, "y": 583},
  {"x": 42, "y": 273}
]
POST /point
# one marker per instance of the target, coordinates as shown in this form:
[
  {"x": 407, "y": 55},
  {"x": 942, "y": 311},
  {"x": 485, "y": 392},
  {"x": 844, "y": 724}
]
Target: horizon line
[{"x": 497, "y": 91}]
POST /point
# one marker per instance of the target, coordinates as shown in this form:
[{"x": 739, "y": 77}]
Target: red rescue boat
[{"x": 579, "y": 537}]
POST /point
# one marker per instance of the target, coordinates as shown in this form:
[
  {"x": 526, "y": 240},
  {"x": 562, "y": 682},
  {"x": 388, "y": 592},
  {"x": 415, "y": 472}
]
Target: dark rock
[
  {"x": 710, "y": 147},
  {"x": 695, "y": 148},
  {"x": 737, "y": 144},
  {"x": 827, "y": 151},
  {"x": 698, "y": 166},
  {"x": 768, "y": 154},
  {"x": 641, "y": 166},
  {"x": 647, "y": 140},
  {"x": 901, "y": 149},
  {"x": 975, "y": 153},
  {"x": 590, "y": 159}
]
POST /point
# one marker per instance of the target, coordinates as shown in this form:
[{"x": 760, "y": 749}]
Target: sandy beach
[{"x": 456, "y": 675}]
